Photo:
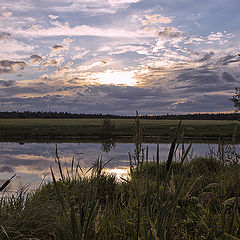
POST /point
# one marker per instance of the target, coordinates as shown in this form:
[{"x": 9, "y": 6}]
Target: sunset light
[
  {"x": 112, "y": 77},
  {"x": 72, "y": 53}
]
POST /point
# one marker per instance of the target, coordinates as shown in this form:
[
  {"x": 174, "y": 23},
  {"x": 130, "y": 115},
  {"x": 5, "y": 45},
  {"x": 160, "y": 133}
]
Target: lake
[{"x": 31, "y": 161}]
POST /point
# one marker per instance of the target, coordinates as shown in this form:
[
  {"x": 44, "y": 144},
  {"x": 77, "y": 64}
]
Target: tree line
[{"x": 65, "y": 115}]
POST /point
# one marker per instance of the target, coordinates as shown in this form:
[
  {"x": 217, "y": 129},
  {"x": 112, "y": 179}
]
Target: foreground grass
[
  {"x": 67, "y": 128},
  {"x": 192, "y": 200}
]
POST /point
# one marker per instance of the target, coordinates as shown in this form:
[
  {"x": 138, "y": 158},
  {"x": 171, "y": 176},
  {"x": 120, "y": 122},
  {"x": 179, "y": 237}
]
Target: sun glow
[
  {"x": 111, "y": 77},
  {"x": 119, "y": 172}
]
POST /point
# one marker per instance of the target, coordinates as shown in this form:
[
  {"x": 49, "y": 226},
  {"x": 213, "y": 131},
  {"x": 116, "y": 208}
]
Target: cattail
[
  {"x": 172, "y": 148},
  {"x": 6, "y": 183}
]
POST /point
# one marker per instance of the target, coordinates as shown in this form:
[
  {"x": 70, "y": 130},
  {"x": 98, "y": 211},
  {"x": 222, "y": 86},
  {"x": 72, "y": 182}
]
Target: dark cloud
[
  {"x": 7, "y": 66},
  {"x": 7, "y": 169},
  {"x": 4, "y": 35},
  {"x": 169, "y": 32},
  {"x": 199, "y": 76},
  {"x": 35, "y": 58},
  {"x": 205, "y": 103},
  {"x": 229, "y": 59},
  {"x": 206, "y": 57},
  {"x": 58, "y": 47},
  {"x": 7, "y": 83},
  {"x": 51, "y": 62},
  {"x": 228, "y": 77}
]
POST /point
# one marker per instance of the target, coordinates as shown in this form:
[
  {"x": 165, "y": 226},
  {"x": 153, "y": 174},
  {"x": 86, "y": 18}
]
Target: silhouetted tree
[{"x": 236, "y": 99}]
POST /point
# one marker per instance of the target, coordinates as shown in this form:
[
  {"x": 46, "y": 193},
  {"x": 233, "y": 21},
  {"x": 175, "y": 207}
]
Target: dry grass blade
[
  {"x": 189, "y": 192},
  {"x": 5, "y": 233},
  {"x": 231, "y": 237},
  {"x": 153, "y": 230}
]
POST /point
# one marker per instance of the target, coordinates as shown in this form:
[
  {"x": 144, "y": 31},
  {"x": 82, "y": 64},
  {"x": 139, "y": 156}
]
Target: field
[{"x": 93, "y": 128}]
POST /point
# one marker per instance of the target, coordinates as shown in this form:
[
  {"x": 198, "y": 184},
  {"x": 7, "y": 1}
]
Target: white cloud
[
  {"x": 12, "y": 47},
  {"x": 52, "y": 17},
  {"x": 6, "y": 15},
  {"x": 53, "y": 62},
  {"x": 81, "y": 55},
  {"x": 95, "y": 6},
  {"x": 155, "y": 18},
  {"x": 83, "y": 30},
  {"x": 215, "y": 36},
  {"x": 67, "y": 41}
]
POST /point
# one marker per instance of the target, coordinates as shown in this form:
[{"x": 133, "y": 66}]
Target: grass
[{"x": 74, "y": 128}]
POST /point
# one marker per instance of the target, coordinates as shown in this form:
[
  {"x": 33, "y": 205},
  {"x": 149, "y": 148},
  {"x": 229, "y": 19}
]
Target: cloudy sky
[{"x": 118, "y": 56}]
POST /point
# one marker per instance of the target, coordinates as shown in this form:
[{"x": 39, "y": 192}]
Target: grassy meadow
[{"x": 77, "y": 128}]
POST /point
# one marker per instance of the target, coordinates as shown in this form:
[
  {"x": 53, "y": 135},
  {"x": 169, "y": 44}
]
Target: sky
[{"x": 119, "y": 56}]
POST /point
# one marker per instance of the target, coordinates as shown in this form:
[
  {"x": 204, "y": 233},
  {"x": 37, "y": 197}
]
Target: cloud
[
  {"x": 7, "y": 169},
  {"x": 58, "y": 48},
  {"x": 206, "y": 57},
  {"x": 52, "y": 62},
  {"x": 6, "y": 15},
  {"x": 169, "y": 32},
  {"x": 205, "y": 103},
  {"x": 215, "y": 36},
  {"x": 7, "y": 83},
  {"x": 228, "y": 77},
  {"x": 80, "y": 55},
  {"x": 114, "y": 50},
  {"x": 12, "y": 49},
  {"x": 95, "y": 7},
  {"x": 67, "y": 41},
  {"x": 35, "y": 58},
  {"x": 4, "y": 35},
  {"x": 155, "y": 18},
  {"x": 52, "y": 17},
  {"x": 228, "y": 59},
  {"x": 7, "y": 66},
  {"x": 63, "y": 29}
]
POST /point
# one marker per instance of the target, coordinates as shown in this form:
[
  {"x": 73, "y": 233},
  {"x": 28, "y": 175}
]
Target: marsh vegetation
[{"x": 42, "y": 129}]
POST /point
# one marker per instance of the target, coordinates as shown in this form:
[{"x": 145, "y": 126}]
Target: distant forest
[{"x": 61, "y": 115}]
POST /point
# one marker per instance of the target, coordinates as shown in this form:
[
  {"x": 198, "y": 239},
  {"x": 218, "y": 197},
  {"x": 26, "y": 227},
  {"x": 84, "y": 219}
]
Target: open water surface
[{"x": 31, "y": 161}]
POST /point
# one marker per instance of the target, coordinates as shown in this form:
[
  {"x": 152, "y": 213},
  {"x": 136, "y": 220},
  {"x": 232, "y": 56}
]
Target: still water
[{"x": 31, "y": 161}]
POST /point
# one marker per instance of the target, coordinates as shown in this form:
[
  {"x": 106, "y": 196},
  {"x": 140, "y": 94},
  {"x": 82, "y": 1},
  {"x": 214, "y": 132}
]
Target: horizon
[
  {"x": 123, "y": 115},
  {"x": 174, "y": 57}
]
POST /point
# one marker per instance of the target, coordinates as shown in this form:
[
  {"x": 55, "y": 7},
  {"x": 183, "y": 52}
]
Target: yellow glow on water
[
  {"x": 112, "y": 77},
  {"x": 119, "y": 172}
]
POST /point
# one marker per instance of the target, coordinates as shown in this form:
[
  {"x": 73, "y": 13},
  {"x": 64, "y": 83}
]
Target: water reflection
[
  {"x": 32, "y": 161},
  {"x": 108, "y": 145}
]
